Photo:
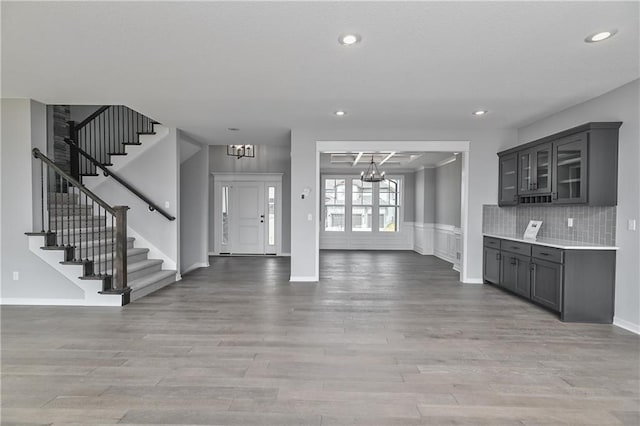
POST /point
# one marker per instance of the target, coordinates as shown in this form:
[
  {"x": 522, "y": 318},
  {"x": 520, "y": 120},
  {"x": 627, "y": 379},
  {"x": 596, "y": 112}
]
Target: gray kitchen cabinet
[
  {"x": 516, "y": 273},
  {"x": 575, "y": 166},
  {"x": 546, "y": 282},
  {"x": 577, "y": 283},
  {"x": 534, "y": 170},
  {"x": 491, "y": 265},
  {"x": 508, "y": 180}
]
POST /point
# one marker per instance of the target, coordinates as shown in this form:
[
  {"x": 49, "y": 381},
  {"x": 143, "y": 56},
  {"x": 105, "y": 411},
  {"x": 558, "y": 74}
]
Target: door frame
[{"x": 220, "y": 178}]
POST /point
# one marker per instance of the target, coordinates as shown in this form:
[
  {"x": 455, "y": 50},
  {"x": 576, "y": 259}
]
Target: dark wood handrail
[
  {"x": 107, "y": 172},
  {"x": 39, "y": 155},
  {"x": 92, "y": 116}
]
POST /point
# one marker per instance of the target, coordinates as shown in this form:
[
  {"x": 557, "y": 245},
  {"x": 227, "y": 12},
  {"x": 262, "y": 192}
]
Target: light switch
[
  {"x": 570, "y": 222},
  {"x": 632, "y": 225},
  {"x": 167, "y": 204},
  {"x": 16, "y": 275},
  {"x": 309, "y": 217}
]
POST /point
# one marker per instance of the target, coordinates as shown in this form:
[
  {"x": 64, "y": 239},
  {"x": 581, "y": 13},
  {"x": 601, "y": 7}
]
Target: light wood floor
[{"x": 386, "y": 338}]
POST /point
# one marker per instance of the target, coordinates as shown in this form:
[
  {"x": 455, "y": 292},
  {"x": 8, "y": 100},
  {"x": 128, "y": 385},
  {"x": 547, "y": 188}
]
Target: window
[
  {"x": 271, "y": 229},
  {"x": 361, "y": 206},
  {"x": 366, "y": 207},
  {"x": 389, "y": 206},
  {"x": 334, "y": 202}
]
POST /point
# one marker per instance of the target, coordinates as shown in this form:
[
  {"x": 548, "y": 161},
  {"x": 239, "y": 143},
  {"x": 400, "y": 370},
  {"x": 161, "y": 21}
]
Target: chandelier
[
  {"x": 240, "y": 151},
  {"x": 372, "y": 174}
]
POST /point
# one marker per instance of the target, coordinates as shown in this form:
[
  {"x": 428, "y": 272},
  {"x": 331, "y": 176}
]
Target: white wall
[
  {"x": 447, "y": 193},
  {"x": 483, "y": 178},
  {"x": 194, "y": 204},
  {"x": 156, "y": 175},
  {"x": 618, "y": 105},
  {"x": 23, "y": 128},
  {"x": 268, "y": 159}
]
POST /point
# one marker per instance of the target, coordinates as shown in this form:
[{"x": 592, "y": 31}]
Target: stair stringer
[
  {"x": 154, "y": 252},
  {"x": 133, "y": 151},
  {"x": 91, "y": 288}
]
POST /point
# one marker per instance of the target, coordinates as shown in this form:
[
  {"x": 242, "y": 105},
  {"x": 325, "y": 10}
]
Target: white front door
[{"x": 247, "y": 218}]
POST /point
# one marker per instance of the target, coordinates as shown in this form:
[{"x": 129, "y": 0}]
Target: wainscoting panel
[
  {"x": 423, "y": 238},
  {"x": 448, "y": 244},
  {"x": 402, "y": 240}
]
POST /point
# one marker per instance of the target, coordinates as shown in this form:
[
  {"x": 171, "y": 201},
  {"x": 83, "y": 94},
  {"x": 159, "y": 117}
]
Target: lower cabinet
[
  {"x": 578, "y": 284},
  {"x": 491, "y": 265},
  {"x": 516, "y": 273},
  {"x": 546, "y": 283}
]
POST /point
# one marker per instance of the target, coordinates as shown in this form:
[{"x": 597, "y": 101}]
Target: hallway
[{"x": 386, "y": 338}]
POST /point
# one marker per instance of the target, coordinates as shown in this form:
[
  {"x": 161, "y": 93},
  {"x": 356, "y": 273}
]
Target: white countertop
[{"x": 551, "y": 242}]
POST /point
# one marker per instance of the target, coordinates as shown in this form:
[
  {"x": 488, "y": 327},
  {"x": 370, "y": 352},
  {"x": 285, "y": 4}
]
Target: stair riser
[
  {"x": 142, "y": 272},
  {"x": 70, "y": 210},
  {"x": 104, "y": 248},
  {"x": 106, "y": 265},
  {"x": 85, "y": 236},
  {"x": 79, "y": 222}
]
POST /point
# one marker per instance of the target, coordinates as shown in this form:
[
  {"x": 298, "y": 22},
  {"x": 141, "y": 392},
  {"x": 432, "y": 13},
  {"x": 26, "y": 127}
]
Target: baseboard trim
[
  {"x": 627, "y": 325},
  {"x": 304, "y": 279},
  {"x": 285, "y": 254},
  {"x": 473, "y": 281},
  {"x": 196, "y": 266},
  {"x": 27, "y": 301}
]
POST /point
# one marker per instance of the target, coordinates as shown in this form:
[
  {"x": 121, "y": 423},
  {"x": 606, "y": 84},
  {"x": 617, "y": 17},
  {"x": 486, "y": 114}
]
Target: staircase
[{"x": 86, "y": 237}]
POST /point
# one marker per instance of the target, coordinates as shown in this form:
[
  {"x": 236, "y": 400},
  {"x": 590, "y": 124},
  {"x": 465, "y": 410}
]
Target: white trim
[
  {"x": 196, "y": 266},
  {"x": 627, "y": 325},
  {"x": 473, "y": 281},
  {"x": 285, "y": 254},
  {"x": 423, "y": 238},
  {"x": 394, "y": 145},
  {"x": 240, "y": 177},
  {"x": 212, "y": 253},
  {"x": 52, "y": 302},
  {"x": 304, "y": 279},
  {"x": 446, "y": 161}
]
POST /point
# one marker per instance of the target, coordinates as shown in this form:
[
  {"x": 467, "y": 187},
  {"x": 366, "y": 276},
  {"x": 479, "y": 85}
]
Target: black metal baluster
[
  {"x": 78, "y": 231},
  {"x": 73, "y": 228},
  {"x": 42, "y": 194},
  {"x": 48, "y": 197},
  {"x": 93, "y": 238},
  {"x": 85, "y": 232},
  {"x": 56, "y": 210},
  {"x": 66, "y": 207},
  {"x": 113, "y": 249}
]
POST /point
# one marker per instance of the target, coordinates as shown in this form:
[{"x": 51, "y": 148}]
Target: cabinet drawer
[
  {"x": 492, "y": 242},
  {"x": 516, "y": 247},
  {"x": 548, "y": 253}
]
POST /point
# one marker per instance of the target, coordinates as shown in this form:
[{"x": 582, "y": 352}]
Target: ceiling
[
  {"x": 268, "y": 67},
  {"x": 397, "y": 160}
]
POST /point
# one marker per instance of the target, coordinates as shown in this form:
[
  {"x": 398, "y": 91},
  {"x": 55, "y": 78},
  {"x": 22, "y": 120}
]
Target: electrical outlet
[
  {"x": 632, "y": 225},
  {"x": 570, "y": 222},
  {"x": 167, "y": 204},
  {"x": 309, "y": 217},
  {"x": 16, "y": 275}
]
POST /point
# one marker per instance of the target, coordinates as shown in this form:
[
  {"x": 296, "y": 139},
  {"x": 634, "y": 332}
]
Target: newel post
[{"x": 121, "y": 248}]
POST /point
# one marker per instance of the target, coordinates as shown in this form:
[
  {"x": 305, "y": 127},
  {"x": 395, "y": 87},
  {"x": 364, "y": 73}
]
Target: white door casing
[{"x": 252, "y": 204}]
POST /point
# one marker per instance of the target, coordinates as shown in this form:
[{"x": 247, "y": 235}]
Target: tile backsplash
[{"x": 596, "y": 225}]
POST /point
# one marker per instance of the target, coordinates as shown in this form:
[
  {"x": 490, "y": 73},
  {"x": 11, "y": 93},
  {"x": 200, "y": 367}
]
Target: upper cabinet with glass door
[
  {"x": 535, "y": 170},
  {"x": 576, "y": 166}
]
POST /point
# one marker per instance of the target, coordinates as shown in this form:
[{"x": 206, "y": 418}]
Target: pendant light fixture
[
  {"x": 240, "y": 151},
  {"x": 372, "y": 174}
]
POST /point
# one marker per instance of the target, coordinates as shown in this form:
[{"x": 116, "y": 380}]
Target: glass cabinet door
[
  {"x": 508, "y": 180},
  {"x": 569, "y": 157},
  {"x": 542, "y": 182},
  {"x": 525, "y": 167}
]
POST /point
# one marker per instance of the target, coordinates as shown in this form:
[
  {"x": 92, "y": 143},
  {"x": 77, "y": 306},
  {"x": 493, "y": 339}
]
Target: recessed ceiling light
[
  {"x": 602, "y": 35},
  {"x": 349, "y": 39},
  {"x": 340, "y": 113},
  {"x": 233, "y": 129},
  {"x": 480, "y": 112}
]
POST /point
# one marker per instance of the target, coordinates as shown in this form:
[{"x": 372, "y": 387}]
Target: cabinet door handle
[
  {"x": 514, "y": 261},
  {"x": 544, "y": 254},
  {"x": 497, "y": 256},
  {"x": 533, "y": 267}
]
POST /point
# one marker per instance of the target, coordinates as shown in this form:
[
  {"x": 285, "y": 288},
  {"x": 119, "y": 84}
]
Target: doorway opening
[{"x": 420, "y": 206}]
